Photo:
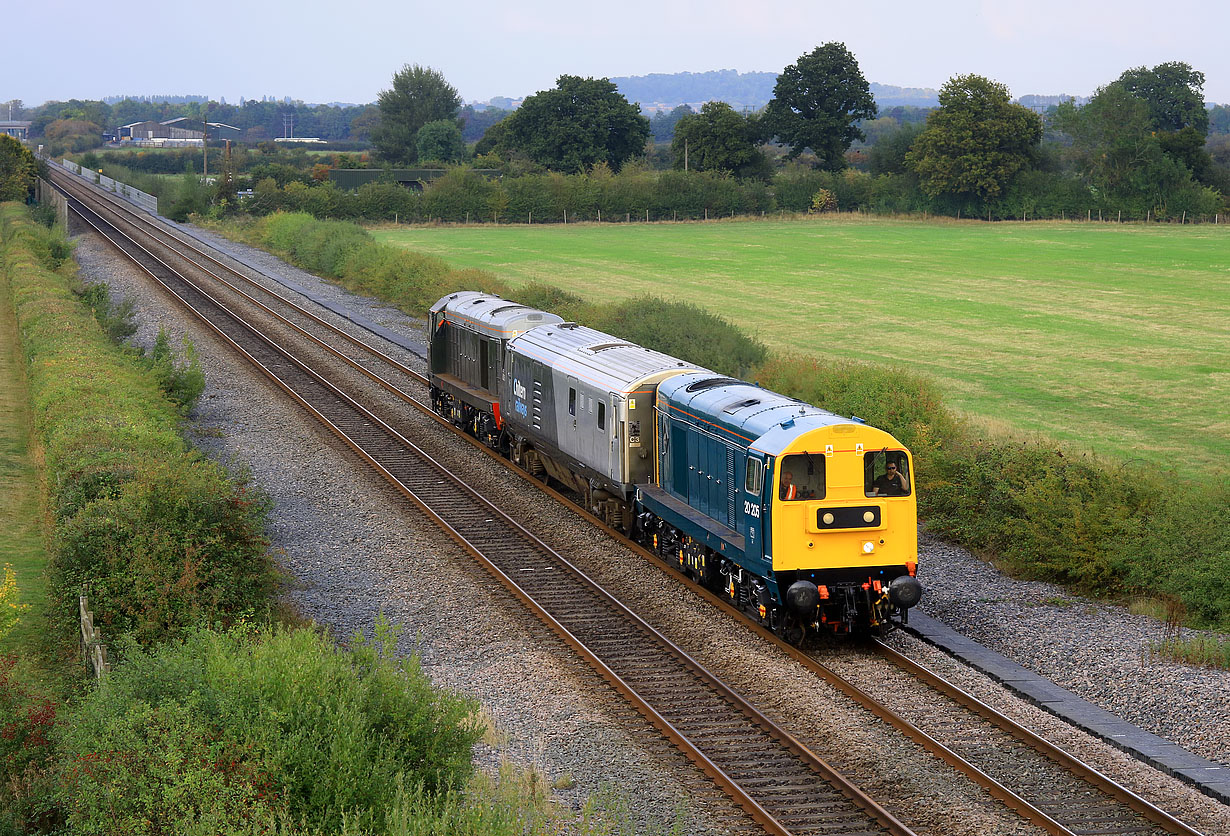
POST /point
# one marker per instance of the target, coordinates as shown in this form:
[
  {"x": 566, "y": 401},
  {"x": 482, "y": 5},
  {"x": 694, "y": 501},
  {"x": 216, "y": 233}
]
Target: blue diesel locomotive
[{"x": 805, "y": 520}]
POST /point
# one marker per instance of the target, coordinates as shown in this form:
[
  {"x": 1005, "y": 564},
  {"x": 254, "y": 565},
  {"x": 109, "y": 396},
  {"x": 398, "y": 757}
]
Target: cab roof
[
  {"x": 490, "y": 315},
  {"x": 743, "y": 412}
]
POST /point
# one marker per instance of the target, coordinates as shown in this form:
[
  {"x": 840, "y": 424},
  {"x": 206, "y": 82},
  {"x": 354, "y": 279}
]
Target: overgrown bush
[
  {"x": 241, "y": 730},
  {"x": 26, "y": 753},
  {"x": 345, "y": 251},
  {"x": 163, "y": 536},
  {"x": 681, "y": 330}
]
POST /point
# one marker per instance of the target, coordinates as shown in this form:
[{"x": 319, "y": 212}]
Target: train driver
[{"x": 892, "y": 483}]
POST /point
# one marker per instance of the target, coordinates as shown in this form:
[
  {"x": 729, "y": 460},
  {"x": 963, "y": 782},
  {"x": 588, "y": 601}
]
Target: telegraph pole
[{"x": 205, "y": 143}]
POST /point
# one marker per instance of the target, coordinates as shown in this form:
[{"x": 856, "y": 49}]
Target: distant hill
[{"x": 663, "y": 91}]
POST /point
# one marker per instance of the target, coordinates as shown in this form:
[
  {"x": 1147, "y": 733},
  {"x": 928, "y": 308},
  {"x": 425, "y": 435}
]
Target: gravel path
[
  {"x": 555, "y": 713},
  {"x": 1095, "y": 650}
]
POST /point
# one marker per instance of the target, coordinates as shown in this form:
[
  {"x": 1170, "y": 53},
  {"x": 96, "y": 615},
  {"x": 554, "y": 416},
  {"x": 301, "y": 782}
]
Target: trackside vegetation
[
  {"x": 1099, "y": 526},
  {"x": 215, "y": 718}
]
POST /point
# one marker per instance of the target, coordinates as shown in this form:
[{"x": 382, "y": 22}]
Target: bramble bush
[
  {"x": 26, "y": 753},
  {"x": 255, "y": 726}
]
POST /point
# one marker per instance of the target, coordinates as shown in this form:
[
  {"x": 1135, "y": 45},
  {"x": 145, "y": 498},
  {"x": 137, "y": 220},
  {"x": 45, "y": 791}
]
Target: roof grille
[
  {"x": 710, "y": 383},
  {"x": 742, "y": 403}
]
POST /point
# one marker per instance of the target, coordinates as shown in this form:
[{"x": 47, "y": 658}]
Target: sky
[{"x": 348, "y": 52}]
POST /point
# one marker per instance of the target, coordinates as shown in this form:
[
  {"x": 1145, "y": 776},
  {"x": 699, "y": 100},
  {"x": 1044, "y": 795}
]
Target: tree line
[{"x": 1138, "y": 148}]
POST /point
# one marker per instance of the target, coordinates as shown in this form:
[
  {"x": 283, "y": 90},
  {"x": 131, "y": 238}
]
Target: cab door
[{"x": 754, "y": 510}]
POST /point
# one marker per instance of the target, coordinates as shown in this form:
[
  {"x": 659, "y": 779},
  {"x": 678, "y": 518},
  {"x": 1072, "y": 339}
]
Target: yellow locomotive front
[{"x": 844, "y": 528}]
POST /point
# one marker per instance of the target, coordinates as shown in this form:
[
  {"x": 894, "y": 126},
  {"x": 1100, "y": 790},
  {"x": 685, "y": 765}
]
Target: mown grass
[
  {"x": 1112, "y": 338},
  {"x": 22, "y": 546}
]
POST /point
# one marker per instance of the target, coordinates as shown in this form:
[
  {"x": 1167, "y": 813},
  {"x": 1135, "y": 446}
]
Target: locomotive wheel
[{"x": 794, "y": 633}]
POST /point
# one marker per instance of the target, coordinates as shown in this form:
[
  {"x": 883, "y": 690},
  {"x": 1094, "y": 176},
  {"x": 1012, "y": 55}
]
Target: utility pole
[
  {"x": 685, "y": 153},
  {"x": 205, "y": 144}
]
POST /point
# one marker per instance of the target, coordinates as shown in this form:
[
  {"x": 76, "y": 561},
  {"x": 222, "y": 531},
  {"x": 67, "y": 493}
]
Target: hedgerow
[{"x": 162, "y": 536}]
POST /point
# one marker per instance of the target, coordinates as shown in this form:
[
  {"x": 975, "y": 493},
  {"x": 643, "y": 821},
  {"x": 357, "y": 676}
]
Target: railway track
[{"x": 785, "y": 787}]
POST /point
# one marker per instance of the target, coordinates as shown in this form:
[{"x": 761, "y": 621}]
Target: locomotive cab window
[
  {"x": 755, "y": 476},
  {"x": 802, "y": 477},
  {"x": 887, "y": 473}
]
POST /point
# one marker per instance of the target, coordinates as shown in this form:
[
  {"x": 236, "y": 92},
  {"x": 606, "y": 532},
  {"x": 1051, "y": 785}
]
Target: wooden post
[
  {"x": 565, "y": 217},
  {"x": 646, "y": 216},
  {"x": 531, "y": 216},
  {"x": 1120, "y": 217},
  {"x": 599, "y": 216},
  {"x": 1184, "y": 217}
]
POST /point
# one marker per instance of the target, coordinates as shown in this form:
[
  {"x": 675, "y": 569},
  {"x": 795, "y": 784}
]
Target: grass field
[
  {"x": 21, "y": 544},
  {"x": 1112, "y": 338}
]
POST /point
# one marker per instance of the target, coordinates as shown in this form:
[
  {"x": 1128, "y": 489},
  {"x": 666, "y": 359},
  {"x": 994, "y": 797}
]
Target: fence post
[{"x": 93, "y": 649}]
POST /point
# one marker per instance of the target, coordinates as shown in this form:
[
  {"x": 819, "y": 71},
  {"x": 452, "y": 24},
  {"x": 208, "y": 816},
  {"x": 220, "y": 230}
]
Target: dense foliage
[
  {"x": 575, "y": 125},
  {"x": 18, "y": 170},
  {"x": 718, "y": 139},
  {"x": 977, "y": 141},
  {"x": 817, "y": 103},
  {"x": 162, "y": 536},
  {"x": 239, "y": 731},
  {"x": 419, "y": 96}
]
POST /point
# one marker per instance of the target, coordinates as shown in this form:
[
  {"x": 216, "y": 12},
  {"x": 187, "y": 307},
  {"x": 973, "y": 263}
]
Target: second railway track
[{"x": 777, "y": 780}]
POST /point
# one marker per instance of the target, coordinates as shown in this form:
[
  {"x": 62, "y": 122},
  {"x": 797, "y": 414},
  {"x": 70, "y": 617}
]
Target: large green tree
[
  {"x": 1118, "y": 152},
  {"x": 817, "y": 103},
  {"x": 718, "y": 139},
  {"x": 440, "y": 142},
  {"x": 976, "y": 142},
  {"x": 17, "y": 169},
  {"x": 1174, "y": 93},
  {"x": 419, "y": 95},
  {"x": 583, "y": 121}
]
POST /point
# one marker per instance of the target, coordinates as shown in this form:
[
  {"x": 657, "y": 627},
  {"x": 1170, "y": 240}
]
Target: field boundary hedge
[
  {"x": 1038, "y": 510},
  {"x": 162, "y": 536}
]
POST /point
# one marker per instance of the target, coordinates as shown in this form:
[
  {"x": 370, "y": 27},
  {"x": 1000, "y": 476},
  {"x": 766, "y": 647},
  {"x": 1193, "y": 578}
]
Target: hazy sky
[{"x": 348, "y": 51}]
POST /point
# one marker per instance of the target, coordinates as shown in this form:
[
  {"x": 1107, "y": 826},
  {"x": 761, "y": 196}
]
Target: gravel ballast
[{"x": 355, "y": 551}]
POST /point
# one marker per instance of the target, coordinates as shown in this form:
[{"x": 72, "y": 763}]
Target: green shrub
[
  {"x": 116, "y": 320},
  {"x": 249, "y": 726},
  {"x": 345, "y": 251},
  {"x": 178, "y": 543},
  {"x": 163, "y": 536},
  {"x": 184, "y": 383},
  {"x": 26, "y": 753},
  {"x": 681, "y": 330}
]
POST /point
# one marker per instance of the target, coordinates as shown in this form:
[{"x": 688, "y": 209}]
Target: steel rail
[
  {"x": 745, "y": 798},
  {"x": 159, "y": 231}
]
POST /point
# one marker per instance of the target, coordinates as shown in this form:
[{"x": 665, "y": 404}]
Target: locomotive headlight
[
  {"x": 869, "y": 516},
  {"x": 868, "y": 547},
  {"x": 828, "y": 519}
]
